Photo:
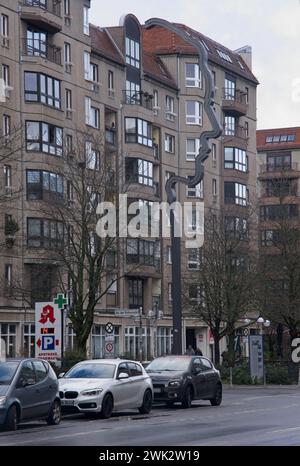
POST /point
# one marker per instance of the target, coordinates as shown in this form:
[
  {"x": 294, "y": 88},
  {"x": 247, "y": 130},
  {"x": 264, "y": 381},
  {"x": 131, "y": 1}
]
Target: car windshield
[
  {"x": 7, "y": 372},
  {"x": 169, "y": 364},
  {"x": 92, "y": 371}
]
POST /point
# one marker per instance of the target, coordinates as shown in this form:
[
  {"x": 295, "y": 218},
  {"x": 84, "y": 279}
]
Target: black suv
[{"x": 184, "y": 379}]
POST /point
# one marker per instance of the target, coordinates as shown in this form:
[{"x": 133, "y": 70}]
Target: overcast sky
[{"x": 271, "y": 27}]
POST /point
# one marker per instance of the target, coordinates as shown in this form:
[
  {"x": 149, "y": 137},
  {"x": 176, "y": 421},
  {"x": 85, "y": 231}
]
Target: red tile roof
[
  {"x": 102, "y": 44},
  {"x": 263, "y": 146},
  {"x": 162, "y": 41}
]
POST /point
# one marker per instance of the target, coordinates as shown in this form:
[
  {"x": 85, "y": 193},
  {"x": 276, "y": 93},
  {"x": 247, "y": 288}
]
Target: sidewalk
[{"x": 261, "y": 387}]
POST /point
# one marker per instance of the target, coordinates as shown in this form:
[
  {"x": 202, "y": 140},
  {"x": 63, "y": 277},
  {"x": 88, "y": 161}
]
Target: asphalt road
[{"x": 247, "y": 417}]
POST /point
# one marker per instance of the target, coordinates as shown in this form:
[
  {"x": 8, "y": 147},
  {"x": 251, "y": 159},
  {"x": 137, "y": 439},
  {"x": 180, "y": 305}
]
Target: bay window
[{"x": 44, "y": 137}]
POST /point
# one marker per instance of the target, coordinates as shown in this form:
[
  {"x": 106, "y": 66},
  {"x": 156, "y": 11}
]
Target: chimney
[{"x": 246, "y": 53}]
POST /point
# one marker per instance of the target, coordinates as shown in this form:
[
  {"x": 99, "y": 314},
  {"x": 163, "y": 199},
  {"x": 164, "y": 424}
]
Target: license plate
[
  {"x": 157, "y": 390},
  {"x": 67, "y": 402}
]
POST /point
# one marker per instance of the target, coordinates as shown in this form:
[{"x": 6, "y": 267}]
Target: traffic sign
[
  {"x": 109, "y": 347},
  {"x": 109, "y": 328},
  {"x": 48, "y": 331}
]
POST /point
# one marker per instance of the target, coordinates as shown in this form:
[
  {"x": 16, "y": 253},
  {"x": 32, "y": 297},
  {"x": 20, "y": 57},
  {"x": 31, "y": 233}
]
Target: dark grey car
[
  {"x": 28, "y": 390},
  {"x": 184, "y": 379}
]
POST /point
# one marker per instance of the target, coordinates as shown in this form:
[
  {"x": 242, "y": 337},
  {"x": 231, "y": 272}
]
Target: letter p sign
[{"x": 48, "y": 343}]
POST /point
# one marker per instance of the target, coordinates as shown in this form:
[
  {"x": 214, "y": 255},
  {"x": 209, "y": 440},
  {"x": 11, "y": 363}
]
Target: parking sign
[{"x": 48, "y": 331}]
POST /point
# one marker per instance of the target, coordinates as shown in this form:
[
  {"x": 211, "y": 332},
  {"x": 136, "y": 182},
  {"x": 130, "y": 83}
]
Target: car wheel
[
  {"x": 107, "y": 407},
  {"x": 54, "y": 417},
  {"x": 147, "y": 403},
  {"x": 187, "y": 398},
  {"x": 217, "y": 400},
  {"x": 11, "y": 422}
]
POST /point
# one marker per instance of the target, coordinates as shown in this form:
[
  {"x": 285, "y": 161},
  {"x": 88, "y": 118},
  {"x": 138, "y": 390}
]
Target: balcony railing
[
  {"x": 40, "y": 48},
  {"x": 236, "y": 132},
  {"x": 53, "y": 6},
  {"x": 110, "y": 136},
  {"x": 138, "y": 98},
  {"x": 235, "y": 95},
  {"x": 283, "y": 167},
  {"x": 156, "y": 151}
]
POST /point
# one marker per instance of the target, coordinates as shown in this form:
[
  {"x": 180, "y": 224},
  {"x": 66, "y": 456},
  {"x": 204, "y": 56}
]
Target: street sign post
[
  {"x": 109, "y": 341},
  {"x": 256, "y": 356},
  {"x": 48, "y": 343}
]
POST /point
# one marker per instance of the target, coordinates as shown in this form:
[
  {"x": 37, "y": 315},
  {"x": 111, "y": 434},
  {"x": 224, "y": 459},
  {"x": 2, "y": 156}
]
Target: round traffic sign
[
  {"x": 109, "y": 347},
  {"x": 109, "y": 328}
]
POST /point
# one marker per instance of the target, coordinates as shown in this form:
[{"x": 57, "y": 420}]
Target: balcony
[
  {"x": 110, "y": 136},
  {"x": 45, "y": 14},
  {"x": 234, "y": 102},
  {"x": 141, "y": 98},
  {"x": 288, "y": 170},
  {"x": 237, "y": 136},
  {"x": 39, "y": 48},
  {"x": 156, "y": 152}
]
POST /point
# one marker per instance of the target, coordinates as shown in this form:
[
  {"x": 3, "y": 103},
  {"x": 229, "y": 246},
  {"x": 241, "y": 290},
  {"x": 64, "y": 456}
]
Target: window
[
  {"x": 70, "y": 192},
  {"x": 164, "y": 341},
  {"x": 247, "y": 94},
  {"x": 214, "y": 187},
  {"x": 279, "y": 187},
  {"x": 6, "y": 126},
  {"x": 230, "y": 88},
  {"x": 192, "y": 220},
  {"x": 135, "y": 370},
  {"x": 8, "y": 334},
  {"x": 156, "y": 102},
  {"x": 224, "y": 56},
  {"x": 197, "y": 191},
  {"x": 169, "y": 255},
  {"x": 194, "y": 112},
  {"x": 132, "y": 337},
  {"x": 69, "y": 144},
  {"x": 5, "y": 75},
  {"x": 170, "y": 107},
  {"x": 92, "y": 114},
  {"x": 111, "y": 85},
  {"x": 43, "y": 233},
  {"x": 192, "y": 75},
  {"x": 36, "y": 43},
  {"x": 193, "y": 259},
  {"x": 43, "y": 137},
  {"x": 270, "y": 238},
  {"x": 133, "y": 93},
  {"x": 67, "y": 57},
  {"x": 138, "y": 131},
  {"x": 4, "y": 30},
  {"x": 214, "y": 155},
  {"x": 29, "y": 340},
  {"x": 237, "y": 227},
  {"x": 291, "y": 138},
  {"x": 279, "y": 161},
  {"x": 230, "y": 125},
  {"x": 192, "y": 148},
  {"x": 42, "y": 88},
  {"x": 132, "y": 53},
  {"x": 235, "y": 193},
  {"x": 92, "y": 156},
  {"x": 67, "y": 9},
  {"x": 87, "y": 66},
  {"x": 8, "y": 275},
  {"x": 41, "y": 184},
  {"x": 170, "y": 295},
  {"x": 7, "y": 176},
  {"x": 279, "y": 212},
  {"x": 235, "y": 159},
  {"x": 194, "y": 294},
  {"x": 246, "y": 129},
  {"x": 141, "y": 252},
  {"x": 86, "y": 26},
  {"x": 135, "y": 293},
  {"x": 169, "y": 143},
  {"x": 139, "y": 171},
  {"x": 69, "y": 103},
  {"x": 112, "y": 283}
]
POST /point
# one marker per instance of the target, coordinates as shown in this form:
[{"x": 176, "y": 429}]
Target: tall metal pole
[
  {"x": 140, "y": 346},
  {"x": 176, "y": 288}
]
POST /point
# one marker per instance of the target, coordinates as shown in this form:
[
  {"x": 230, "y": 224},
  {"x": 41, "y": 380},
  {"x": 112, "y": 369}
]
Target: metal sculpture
[{"x": 205, "y": 150}]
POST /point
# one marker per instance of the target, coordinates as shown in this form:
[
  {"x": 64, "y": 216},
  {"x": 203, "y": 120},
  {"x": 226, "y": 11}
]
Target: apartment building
[
  {"x": 143, "y": 90},
  {"x": 278, "y": 152}
]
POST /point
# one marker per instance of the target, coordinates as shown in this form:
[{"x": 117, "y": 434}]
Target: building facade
[{"x": 143, "y": 91}]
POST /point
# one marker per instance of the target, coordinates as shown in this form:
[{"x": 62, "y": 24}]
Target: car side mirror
[
  {"x": 123, "y": 376},
  {"x": 61, "y": 375}
]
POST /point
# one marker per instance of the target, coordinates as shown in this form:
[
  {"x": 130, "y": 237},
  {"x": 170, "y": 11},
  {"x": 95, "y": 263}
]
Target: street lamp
[{"x": 262, "y": 323}]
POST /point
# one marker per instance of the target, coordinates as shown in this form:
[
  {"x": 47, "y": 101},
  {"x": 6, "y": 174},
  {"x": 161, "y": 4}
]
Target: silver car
[
  {"x": 28, "y": 390},
  {"x": 104, "y": 386}
]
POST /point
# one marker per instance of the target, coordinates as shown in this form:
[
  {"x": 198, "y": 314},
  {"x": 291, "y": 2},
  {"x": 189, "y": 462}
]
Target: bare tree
[{"x": 226, "y": 279}]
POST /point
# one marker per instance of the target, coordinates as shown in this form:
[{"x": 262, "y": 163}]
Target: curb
[{"x": 261, "y": 387}]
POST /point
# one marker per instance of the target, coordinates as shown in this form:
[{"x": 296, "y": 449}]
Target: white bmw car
[{"x": 104, "y": 386}]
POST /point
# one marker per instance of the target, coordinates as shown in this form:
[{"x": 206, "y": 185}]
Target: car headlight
[
  {"x": 2, "y": 400},
  {"x": 175, "y": 383},
  {"x": 95, "y": 392}
]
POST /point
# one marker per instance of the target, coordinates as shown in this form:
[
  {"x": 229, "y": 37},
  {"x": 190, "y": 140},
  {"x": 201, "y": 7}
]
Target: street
[{"x": 247, "y": 417}]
